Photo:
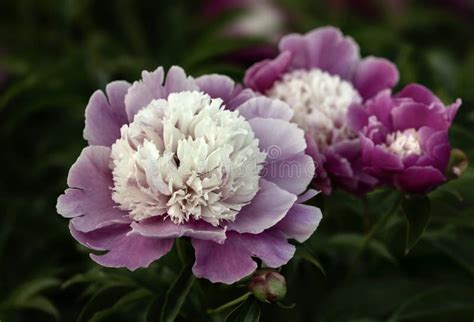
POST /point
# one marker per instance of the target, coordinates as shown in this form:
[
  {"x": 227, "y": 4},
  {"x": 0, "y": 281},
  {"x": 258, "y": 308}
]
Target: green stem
[
  {"x": 230, "y": 304},
  {"x": 180, "y": 249},
  {"x": 365, "y": 214},
  {"x": 381, "y": 223}
]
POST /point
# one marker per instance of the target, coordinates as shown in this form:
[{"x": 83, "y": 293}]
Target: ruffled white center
[
  {"x": 320, "y": 102},
  {"x": 404, "y": 143},
  {"x": 186, "y": 158}
]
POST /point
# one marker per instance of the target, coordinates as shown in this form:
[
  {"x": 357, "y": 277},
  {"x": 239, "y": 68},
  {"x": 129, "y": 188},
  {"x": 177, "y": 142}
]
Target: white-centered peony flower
[
  {"x": 171, "y": 156},
  {"x": 404, "y": 143},
  {"x": 320, "y": 101},
  {"x": 187, "y": 158}
]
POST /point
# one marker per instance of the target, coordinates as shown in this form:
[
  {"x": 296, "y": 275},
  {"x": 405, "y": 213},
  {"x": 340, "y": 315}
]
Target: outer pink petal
[
  {"x": 265, "y": 107},
  {"x": 261, "y": 76},
  {"x": 232, "y": 261},
  {"x": 153, "y": 87},
  {"x": 321, "y": 180},
  {"x": 419, "y": 94},
  {"x": 88, "y": 200},
  {"x": 293, "y": 174},
  {"x": 220, "y": 86},
  {"x": 105, "y": 115},
  {"x": 225, "y": 263},
  {"x": 124, "y": 250},
  {"x": 266, "y": 209},
  {"x": 419, "y": 179},
  {"x": 158, "y": 227},
  {"x": 280, "y": 139},
  {"x": 300, "y": 222},
  {"x": 323, "y": 48},
  {"x": 217, "y": 86},
  {"x": 410, "y": 115},
  {"x": 270, "y": 246},
  {"x": 374, "y": 75},
  {"x": 311, "y": 193}
]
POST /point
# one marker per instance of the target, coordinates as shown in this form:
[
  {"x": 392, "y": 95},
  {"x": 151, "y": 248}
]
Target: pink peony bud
[{"x": 268, "y": 285}]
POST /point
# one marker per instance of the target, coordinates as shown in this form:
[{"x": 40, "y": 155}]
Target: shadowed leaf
[
  {"x": 249, "y": 311},
  {"x": 417, "y": 213}
]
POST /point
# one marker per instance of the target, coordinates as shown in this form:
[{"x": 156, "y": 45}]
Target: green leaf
[
  {"x": 32, "y": 288},
  {"x": 366, "y": 297},
  {"x": 286, "y": 306},
  {"x": 440, "y": 303},
  {"x": 417, "y": 213},
  {"x": 93, "y": 276},
  {"x": 351, "y": 241},
  {"x": 176, "y": 295},
  {"x": 154, "y": 309},
  {"x": 28, "y": 296},
  {"x": 122, "y": 304},
  {"x": 40, "y": 303},
  {"x": 249, "y": 311},
  {"x": 104, "y": 298},
  {"x": 457, "y": 246},
  {"x": 460, "y": 191},
  {"x": 306, "y": 255},
  {"x": 229, "y": 304}
]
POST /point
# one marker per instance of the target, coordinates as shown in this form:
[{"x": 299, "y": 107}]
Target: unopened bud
[
  {"x": 458, "y": 163},
  {"x": 268, "y": 285}
]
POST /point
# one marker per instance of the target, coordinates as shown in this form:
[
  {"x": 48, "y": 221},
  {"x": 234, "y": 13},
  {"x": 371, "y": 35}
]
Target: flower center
[
  {"x": 186, "y": 158},
  {"x": 404, "y": 143},
  {"x": 320, "y": 102}
]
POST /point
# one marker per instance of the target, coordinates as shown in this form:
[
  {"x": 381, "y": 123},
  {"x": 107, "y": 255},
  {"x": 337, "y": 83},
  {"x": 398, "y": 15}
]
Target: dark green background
[{"x": 58, "y": 52}]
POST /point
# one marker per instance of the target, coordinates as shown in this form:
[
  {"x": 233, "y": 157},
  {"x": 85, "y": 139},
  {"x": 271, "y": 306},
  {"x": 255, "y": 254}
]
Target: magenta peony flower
[
  {"x": 405, "y": 137},
  {"x": 320, "y": 74},
  {"x": 184, "y": 157}
]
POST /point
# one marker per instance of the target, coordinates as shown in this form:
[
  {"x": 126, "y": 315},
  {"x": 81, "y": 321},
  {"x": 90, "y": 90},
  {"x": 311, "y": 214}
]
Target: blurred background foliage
[{"x": 55, "y": 53}]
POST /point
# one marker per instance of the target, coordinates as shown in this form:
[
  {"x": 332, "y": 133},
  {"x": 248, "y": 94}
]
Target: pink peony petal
[
  {"x": 124, "y": 250},
  {"x": 374, "y": 75},
  {"x": 300, "y": 222},
  {"x": 105, "y": 115},
  {"x": 323, "y": 48},
  {"x": 165, "y": 228},
  {"x": 266, "y": 209},
  {"x": 88, "y": 200}
]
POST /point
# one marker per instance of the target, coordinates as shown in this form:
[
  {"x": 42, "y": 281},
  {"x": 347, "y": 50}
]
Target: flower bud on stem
[
  {"x": 268, "y": 285},
  {"x": 458, "y": 163}
]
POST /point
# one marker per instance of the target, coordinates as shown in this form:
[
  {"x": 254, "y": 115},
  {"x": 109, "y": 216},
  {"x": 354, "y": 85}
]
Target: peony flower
[
  {"x": 320, "y": 74},
  {"x": 405, "y": 137},
  {"x": 183, "y": 157}
]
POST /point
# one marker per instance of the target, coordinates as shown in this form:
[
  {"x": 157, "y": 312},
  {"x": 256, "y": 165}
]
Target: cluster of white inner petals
[
  {"x": 320, "y": 101},
  {"x": 404, "y": 143},
  {"x": 186, "y": 158}
]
